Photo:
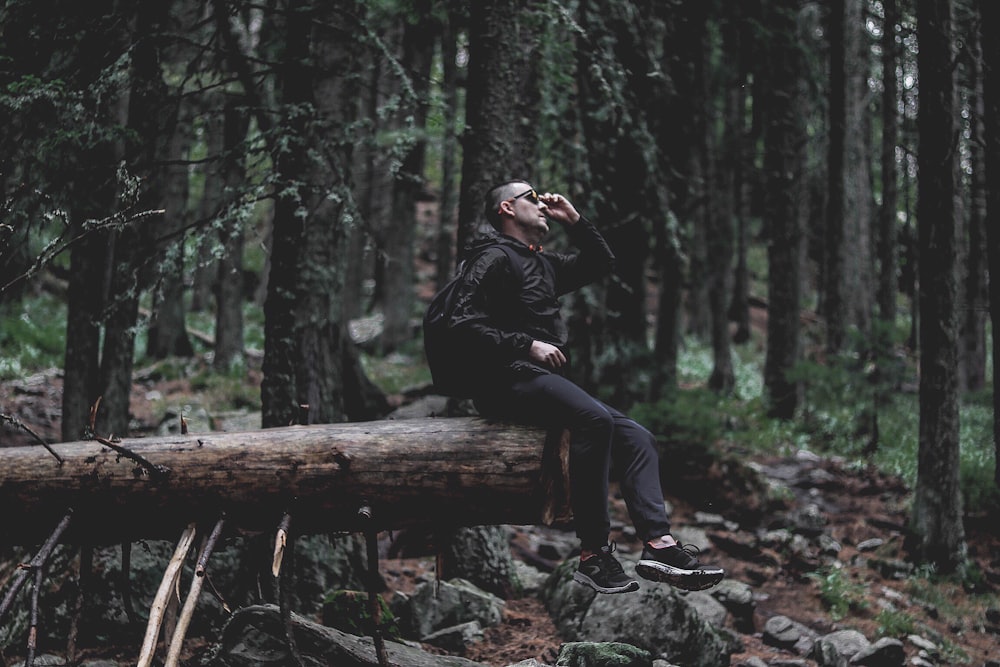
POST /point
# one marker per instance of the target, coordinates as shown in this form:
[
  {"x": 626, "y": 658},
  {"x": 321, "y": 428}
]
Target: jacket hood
[{"x": 493, "y": 239}]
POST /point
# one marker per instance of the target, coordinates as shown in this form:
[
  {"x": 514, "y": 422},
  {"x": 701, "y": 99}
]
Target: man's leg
[
  {"x": 663, "y": 559},
  {"x": 554, "y": 401},
  {"x": 638, "y": 466}
]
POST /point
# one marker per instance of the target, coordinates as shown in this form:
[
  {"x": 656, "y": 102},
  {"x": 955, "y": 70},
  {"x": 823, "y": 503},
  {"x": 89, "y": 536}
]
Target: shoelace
[
  {"x": 609, "y": 560},
  {"x": 691, "y": 550}
]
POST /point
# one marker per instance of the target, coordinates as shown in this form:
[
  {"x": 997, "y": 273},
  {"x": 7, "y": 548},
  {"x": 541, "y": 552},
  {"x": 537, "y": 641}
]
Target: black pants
[{"x": 600, "y": 437}]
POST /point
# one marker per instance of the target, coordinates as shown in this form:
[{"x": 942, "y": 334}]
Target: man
[{"x": 507, "y": 315}]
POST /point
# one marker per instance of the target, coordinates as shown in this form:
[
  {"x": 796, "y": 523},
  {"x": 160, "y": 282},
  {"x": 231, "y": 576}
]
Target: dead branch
[
  {"x": 126, "y": 583},
  {"x": 280, "y": 540},
  {"x": 284, "y": 586},
  {"x": 83, "y": 583},
  {"x": 40, "y": 559},
  {"x": 65, "y": 240},
  {"x": 154, "y": 469},
  {"x": 159, "y": 605},
  {"x": 17, "y": 423},
  {"x": 374, "y": 608},
  {"x": 29, "y": 659},
  {"x": 184, "y": 620}
]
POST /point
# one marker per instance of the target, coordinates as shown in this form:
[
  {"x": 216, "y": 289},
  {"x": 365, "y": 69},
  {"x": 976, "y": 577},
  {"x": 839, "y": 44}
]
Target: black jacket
[{"x": 500, "y": 309}]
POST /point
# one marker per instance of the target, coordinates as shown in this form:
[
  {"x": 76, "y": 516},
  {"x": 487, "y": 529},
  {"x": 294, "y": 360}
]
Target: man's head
[{"x": 508, "y": 191}]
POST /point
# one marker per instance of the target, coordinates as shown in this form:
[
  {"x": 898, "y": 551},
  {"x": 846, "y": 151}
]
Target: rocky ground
[{"x": 852, "y": 519}]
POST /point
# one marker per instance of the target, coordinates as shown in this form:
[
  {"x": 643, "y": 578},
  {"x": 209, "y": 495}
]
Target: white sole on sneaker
[
  {"x": 688, "y": 580},
  {"x": 581, "y": 578}
]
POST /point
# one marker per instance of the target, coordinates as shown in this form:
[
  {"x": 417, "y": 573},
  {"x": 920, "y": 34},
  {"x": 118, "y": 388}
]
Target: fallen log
[{"x": 430, "y": 472}]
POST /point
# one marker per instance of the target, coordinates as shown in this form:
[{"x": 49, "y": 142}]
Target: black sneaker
[
  {"x": 678, "y": 566},
  {"x": 604, "y": 573}
]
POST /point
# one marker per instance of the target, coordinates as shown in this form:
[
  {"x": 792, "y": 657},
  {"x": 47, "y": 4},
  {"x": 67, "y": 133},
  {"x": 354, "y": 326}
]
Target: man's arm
[
  {"x": 593, "y": 261},
  {"x": 480, "y": 293}
]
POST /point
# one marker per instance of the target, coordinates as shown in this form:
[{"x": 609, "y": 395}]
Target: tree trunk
[
  {"x": 437, "y": 473},
  {"x": 887, "y": 251},
  {"x": 147, "y": 111},
  {"x": 832, "y": 295},
  {"x": 937, "y": 504},
  {"x": 398, "y": 294},
  {"x": 859, "y": 281},
  {"x": 497, "y": 145},
  {"x": 279, "y": 400},
  {"x": 990, "y": 14},
  {"x": 230, "y": 295},
  {"x": 975, "y": 277},
  {"x": 85, "y": 298},
  {"x": 167, "y": 334},
  {"x": 205, "y": 273},
  {"x": 723, "y": 151},
  {"x": 785, "y": 138},
  {"x": 445, "y": 243}
]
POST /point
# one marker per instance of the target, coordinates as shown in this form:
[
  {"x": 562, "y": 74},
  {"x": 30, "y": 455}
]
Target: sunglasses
[{"x": 530, "y": 194}]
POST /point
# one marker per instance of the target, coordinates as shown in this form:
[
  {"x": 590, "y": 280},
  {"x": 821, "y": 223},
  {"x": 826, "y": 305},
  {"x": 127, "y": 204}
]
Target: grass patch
[
  {"x": 32, "y": 336},
  {"x": 839, "y": 594}
]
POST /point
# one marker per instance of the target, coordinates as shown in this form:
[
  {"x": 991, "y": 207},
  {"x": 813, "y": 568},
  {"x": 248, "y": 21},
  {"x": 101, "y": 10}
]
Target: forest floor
[{"x": 858, "y": 504}]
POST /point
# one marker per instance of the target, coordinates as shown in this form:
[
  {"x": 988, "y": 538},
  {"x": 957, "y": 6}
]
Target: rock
[
  {"x": 457, "y": 637},
  {"x": 453, "y": 602},
  {"x": 532, "y": 580},
  {"x": 43, "y": 660},
  {"x": 255, "y": 637},
  {"x": 828, "y": 546},
  {"x": 886, "y": 652},
  {"x": 808, "y": 520},
  {"x": 425, "y": 406},
  {"x": 349, "y": 611},
  {"x": 711, "y": 520},
  {"x": 711, "y": 610},
  {"x": 870, "y": 544},
  {"x": 837, "y": 648},
  {"x": 751, "y": 662},
  {"x": 737, "y": 597},
  {"x": 530, "y": 662},
  {"x": 827, "y": 655},
  {"x": 695, "y": 537},
  {"x": 656, "y": 619},
  {"x": 891, "y": 568},
  {"x": 783, "y": 632},
  {"x": 602, "y": 654},
  {"x": 923, "y": 644}
]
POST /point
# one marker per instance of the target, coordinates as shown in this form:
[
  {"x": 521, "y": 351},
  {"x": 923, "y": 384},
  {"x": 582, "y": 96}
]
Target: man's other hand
[{"x": 545, "y": 353}]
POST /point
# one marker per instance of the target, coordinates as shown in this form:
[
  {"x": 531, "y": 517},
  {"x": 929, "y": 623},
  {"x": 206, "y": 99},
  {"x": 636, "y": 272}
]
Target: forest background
[{"x": 273, "y": 172}]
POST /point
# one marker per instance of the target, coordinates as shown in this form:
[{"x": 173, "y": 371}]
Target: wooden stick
[
  {"x": 365, "y": 512},
  {"x": 29, "y": 659},
  {"x": 154, "y": 469},
  {"x": 184, "y": 620},
  {"x": 280, "y": 541},
  {"x": 126, "y": 584},
  {"x": 17, "y": 423},
  {"x": 83, "y": 584},
  {"x": 36, "y": 562},
  {"x": 162, "y": 596},
  {"x": 283, "y": 584}
]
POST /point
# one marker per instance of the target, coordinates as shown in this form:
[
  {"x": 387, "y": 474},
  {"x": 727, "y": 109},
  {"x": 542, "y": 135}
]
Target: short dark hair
[{"x": 495, "y": 196}]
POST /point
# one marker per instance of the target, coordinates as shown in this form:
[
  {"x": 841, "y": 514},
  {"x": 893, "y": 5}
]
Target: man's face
[{"x": 529, "y": 214}]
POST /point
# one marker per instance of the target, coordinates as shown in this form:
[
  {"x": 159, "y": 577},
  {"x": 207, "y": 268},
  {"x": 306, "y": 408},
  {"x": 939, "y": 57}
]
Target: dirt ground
[{"x": 859, "y": 505}]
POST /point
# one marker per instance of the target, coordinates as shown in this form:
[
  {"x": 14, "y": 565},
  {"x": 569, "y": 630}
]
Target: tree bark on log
[{"x": 432, "y": 472}]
